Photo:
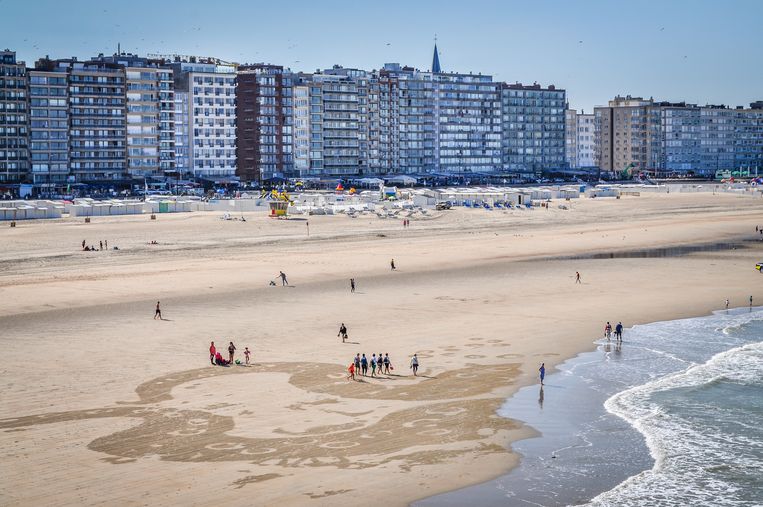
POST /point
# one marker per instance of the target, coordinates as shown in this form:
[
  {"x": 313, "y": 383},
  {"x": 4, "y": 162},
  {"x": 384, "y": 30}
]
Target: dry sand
[{"x": 101, "y": 404}]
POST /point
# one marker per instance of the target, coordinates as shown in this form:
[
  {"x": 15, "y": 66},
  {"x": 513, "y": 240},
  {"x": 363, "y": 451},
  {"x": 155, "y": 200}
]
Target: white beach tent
[{"x": 402, "y": 180}]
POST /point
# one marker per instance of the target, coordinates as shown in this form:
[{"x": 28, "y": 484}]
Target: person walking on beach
[
  {"x": 542, "y": 371},
  {"x": 212, "y": 352},
  {"x": 158, "y": 312},
  {"x": 282, "y": 276},
  {"x": 83, "y": 244},
  {"x": 373, "y": 365},
  {"x": 577, "y": 277},
  {"x": 727, "y": 304},
  {"x": 352, "y": 285},
  {"x": 231, "y": 351},
  {"x": 608, "y": 330},
  {"x": 357, "y": 362},
  {"x": 343, "y": 332},
  {"x": 392, "y": 264},
  {"x": 351, "y": 371},
  {"x": 364, "y": 365},
  {"x": 246, "y": 354},
  {"x": 101, "y": 246},
  {"x": 387, "y": 363},
  {"x": 415, "y": 364},
  {"x": 106, "y": 243},
  {"x": 619, "y": 331}
]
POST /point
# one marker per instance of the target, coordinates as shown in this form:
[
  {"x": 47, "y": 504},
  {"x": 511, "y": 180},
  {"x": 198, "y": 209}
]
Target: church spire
[{"x": 436, "y": 59}]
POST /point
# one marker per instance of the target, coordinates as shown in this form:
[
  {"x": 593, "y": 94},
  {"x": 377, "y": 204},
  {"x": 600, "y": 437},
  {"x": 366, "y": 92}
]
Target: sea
[{"x": 673, "y": 416}]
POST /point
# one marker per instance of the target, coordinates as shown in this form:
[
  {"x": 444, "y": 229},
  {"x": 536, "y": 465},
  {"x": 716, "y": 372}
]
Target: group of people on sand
[
  {"x": 618, "y": 331},
  {"x": 379, "y": 365},
  {"x": 102, "y": 245},
  {"x": 217, "y": 359}
]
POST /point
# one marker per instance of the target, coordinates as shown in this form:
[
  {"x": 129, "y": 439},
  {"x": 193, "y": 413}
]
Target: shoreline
[
  {"x": 478, "y": 294},
  {"x": 525, "y": 481}
]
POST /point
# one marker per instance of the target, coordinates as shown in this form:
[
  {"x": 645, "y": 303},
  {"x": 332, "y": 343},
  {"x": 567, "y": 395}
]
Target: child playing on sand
[
  {"x": 351, "y": 371},
  {"x": 246, "y": 354}
]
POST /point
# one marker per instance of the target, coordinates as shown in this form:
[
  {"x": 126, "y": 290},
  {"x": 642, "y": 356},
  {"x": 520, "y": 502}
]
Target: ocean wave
[{"x": 703, "y": 455}]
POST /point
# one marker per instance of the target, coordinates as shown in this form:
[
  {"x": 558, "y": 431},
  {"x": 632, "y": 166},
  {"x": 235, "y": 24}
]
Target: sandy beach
[{"x": 102, "y": 404}]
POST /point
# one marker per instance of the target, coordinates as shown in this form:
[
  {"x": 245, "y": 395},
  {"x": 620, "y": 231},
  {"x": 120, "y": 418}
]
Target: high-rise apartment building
[
  {"x": 579, "y": 139},
  {"x": 332, "y": 112},
  {"x": 211, "y": 89},
  {"x": 670, "y": 137},
  {"x": 150, "y": 114},
  {"x": 748, "y": 149},
  {"x": 627, "y": 134},
  {"x": 14, "y": 134},
  {"x": 264, "y": 122},
  {"x": 468, "y": 127},
  {"x": 97, "y": 121},
  {"x": 533, "y": 121},
  {"x": 49, "y": 125}
]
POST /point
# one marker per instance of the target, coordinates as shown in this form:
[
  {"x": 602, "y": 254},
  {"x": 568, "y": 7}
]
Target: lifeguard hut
[{"x": 278, "y": 209}]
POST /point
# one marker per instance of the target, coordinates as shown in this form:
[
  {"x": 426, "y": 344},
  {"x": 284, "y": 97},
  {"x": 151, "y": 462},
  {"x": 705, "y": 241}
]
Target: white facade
[
  {"x": 211, "y": 91},
  {"x": 585, "y": 140}
]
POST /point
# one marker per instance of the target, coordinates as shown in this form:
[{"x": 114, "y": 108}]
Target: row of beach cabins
[{"x": 391, "y": 203}]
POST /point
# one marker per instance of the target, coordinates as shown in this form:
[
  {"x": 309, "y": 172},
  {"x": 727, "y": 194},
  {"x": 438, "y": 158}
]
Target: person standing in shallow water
[{"x": 542, "y": 371}]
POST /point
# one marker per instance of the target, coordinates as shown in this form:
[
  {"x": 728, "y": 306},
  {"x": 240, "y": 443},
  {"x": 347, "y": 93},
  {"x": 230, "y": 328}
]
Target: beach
[{"x": 102, "y": 404}]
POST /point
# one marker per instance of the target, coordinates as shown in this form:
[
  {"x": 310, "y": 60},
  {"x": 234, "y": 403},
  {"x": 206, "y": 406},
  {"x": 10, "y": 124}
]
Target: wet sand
[{"x": 103, "y": 404}]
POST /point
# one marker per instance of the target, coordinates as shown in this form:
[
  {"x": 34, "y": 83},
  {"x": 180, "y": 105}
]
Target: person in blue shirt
[{"x": 542, "y": 371}]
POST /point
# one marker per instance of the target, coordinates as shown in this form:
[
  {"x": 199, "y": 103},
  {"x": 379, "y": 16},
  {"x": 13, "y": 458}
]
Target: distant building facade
[
  {"x": 150, "y": 103},
  {"x": 264, "y": 122},
  {"x": 14, "y": 133},
  {"x": 49, "y": 125},
  {"x": 677, "y": 138},
  {"x": 211, "y": 93},
  {"x": 533, "y": 128},
  {"x": 579, "y": 139}
]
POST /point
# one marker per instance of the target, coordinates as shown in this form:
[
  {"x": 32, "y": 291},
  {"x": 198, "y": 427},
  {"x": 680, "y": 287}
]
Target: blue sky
[{"x": 700, "y": 51}]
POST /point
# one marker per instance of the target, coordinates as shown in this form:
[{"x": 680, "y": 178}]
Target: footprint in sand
[{"x": 508, "y": 356}]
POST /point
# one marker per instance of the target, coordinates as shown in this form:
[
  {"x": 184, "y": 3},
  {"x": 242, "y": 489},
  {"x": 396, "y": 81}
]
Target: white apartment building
[
  {"x": 211, "y": 89},
  {"x": 584, "y": 133}
]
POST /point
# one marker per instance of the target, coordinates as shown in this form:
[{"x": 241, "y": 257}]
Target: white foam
[{"x": 685, "y": 453}]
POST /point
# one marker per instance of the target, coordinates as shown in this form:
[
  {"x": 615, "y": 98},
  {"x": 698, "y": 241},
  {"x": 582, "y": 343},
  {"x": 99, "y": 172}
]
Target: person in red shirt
[{"x": 212, "y": 352}]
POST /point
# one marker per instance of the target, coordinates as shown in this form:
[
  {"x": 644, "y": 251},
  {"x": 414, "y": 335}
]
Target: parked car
[{"x": 442, "y": 205}]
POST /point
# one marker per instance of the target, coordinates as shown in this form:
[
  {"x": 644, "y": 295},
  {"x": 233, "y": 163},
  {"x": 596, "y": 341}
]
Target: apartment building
[
  {"x": 264, "y": 122},
  {"x": 748, "y": 148},
  {"x": 579, "y": 139},
  {"x": 14, "y": 133},
  {"x": 627, "y": 134},
  {"x": 211, "y": 96},
  {"x": 49, "y": 125},
  {"x": 150, "y": 114},
  {"x": 533, "y": 121}
]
